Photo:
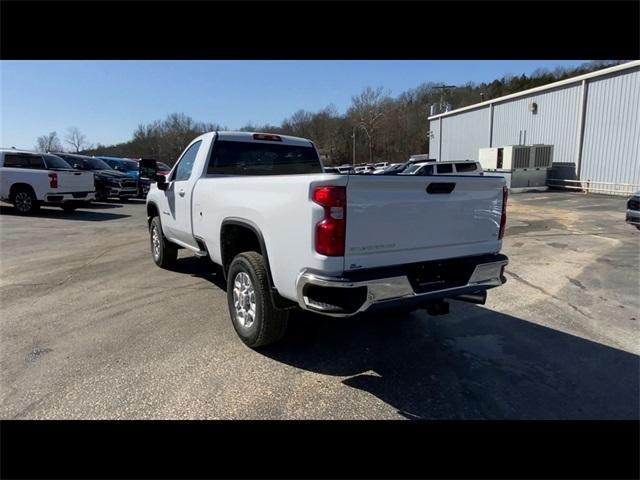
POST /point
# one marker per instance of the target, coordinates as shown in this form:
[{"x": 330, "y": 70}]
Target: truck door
[{"x": 176, "y": 211}]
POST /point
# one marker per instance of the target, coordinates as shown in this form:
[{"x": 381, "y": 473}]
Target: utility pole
[
  {"x": 443, "y": 88},
  {"x": 353, "y": 138}
]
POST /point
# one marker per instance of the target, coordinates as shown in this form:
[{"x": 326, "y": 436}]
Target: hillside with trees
[{"x": 385, "y": 128}]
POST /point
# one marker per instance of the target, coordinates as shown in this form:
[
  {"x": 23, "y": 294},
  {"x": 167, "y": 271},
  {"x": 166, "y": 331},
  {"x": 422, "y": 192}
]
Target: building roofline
[{"x": 567, "y": 81}]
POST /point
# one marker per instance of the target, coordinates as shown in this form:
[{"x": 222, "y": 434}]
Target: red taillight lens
[
  {"x": 330, "y": 232},
  {"x": 53, "y": 180},
  {"x": 503, "y": 217}
]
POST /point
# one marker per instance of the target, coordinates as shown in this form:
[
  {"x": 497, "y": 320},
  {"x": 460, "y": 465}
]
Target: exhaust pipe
[{"x": 479, "y": 298}]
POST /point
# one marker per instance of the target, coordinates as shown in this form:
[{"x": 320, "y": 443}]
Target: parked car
[
  {"x": 163, "y": 169},
  {"x": 392, "y": 169},
  {"x": 331, "y": 170},
  {"x": 287, "y": 235},
  {"x": 633, "y": 210},
  {"x": 363, "y": 169},
  {"x": 467, "y": 167},
  {"x": 30, "y": 179},
  {"x": 345, "y": 169},
  {"x": 130, "y": 168},
  {"x": 108, "y": 182}
]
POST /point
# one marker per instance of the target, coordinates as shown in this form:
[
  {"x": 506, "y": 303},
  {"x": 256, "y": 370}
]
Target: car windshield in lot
[
  {"x": 128, "y": 165},
  {"x": 54, "y": 162},
  {"x": 90, "y": 164},
  {"x": 252, "y": 158},
  {"x": 411, "y": 168}
]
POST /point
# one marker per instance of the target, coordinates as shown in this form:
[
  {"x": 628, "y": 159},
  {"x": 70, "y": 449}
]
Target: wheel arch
[{"x": 230, "y": 228}]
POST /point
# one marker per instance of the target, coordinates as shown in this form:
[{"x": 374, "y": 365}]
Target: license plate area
[{"x": 440, "y": 275}]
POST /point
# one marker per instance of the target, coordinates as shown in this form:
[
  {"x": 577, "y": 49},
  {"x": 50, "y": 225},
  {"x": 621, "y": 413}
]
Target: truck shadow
[
  {"x": 89, "y": 214},
  {"x": 473, "y": 364}
]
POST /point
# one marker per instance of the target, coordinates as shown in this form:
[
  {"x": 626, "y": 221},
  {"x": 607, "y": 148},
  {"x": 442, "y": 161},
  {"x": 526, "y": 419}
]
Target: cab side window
[
  {"x": 23, "y": 161},
  {"x": 185, "y": 164}
]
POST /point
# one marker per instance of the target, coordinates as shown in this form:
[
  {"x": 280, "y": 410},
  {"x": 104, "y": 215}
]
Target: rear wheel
[
  {"x": 255, "y": 318},
  {"x": 163, "y": 251},
  {"x": 25, "y": 201}
]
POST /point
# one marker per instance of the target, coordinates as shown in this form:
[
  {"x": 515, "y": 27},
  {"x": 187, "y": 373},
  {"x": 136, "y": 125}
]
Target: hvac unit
[{"x": 523, "y": 166}]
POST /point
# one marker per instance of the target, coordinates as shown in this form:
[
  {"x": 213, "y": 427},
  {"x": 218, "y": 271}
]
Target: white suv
[{"x": 461, "y": 167}]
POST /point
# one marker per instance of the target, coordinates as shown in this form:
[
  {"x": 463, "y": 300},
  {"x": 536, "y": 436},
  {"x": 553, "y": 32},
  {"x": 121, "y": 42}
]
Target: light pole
[{"x": 362, "y": 125}]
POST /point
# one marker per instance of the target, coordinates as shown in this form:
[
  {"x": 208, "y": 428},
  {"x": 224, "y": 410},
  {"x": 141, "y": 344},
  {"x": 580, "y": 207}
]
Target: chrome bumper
[
  {"x": 633, "y": 217},
  {"x": 398, "y": 288}
]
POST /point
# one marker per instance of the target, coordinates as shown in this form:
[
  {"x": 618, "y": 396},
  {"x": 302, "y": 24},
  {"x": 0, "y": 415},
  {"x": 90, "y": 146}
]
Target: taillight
[
  {"x": 330, "y": 232},
  {"x": 503, "y": 217},
  {"x": 53, "y": 180}
]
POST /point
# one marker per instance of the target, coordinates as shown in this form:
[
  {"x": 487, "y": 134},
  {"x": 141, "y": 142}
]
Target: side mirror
[
  {"x": 161, "y": 182},
  {"x": 148, "y": 168}
]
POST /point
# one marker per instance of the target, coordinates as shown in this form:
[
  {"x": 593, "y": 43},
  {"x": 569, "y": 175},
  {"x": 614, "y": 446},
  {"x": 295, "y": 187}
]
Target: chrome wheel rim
[
  {"x": 23, "y": 202},
  {"x": 244, "y": 300},
  {"x": 155, "y": 240}
]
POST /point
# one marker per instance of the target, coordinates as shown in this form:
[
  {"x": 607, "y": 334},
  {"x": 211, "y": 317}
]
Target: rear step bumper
[{"x": 344, "y": 297}]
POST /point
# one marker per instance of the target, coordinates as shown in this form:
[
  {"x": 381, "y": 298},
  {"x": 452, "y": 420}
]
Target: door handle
[{"x": 181, "y": 192}]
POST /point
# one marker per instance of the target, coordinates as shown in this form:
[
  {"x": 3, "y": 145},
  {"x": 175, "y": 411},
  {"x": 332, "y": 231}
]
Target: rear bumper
[
  {"x": 70, "y": 197},
  {"x": 344, "y": 297},
  {"x": 633, "y": 217}
]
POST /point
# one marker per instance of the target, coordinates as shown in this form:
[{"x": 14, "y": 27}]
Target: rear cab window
[
  {"x": 466, "y": 167},
  {"x": 445, "y": 168},
  {"x": 255, "y": 158}
]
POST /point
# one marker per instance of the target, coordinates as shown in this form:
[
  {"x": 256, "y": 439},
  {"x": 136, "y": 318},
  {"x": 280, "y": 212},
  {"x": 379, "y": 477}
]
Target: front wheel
[
  {"x": 164, "y": 252},
  {"x": 254, "y": 316}
]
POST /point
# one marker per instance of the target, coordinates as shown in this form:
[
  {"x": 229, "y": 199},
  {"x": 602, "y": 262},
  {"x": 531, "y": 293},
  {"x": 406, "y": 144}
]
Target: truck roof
[{"x": 248, "y": 136}]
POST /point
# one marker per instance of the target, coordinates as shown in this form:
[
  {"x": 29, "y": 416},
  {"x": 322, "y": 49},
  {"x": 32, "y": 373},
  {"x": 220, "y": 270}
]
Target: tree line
[{"x": 378, "y": 127}]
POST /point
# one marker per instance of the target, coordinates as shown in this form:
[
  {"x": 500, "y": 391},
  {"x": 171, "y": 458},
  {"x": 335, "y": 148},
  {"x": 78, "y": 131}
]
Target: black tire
[
  {"x": 269, "y": 323},
  {"x": 101, "y": 196},
  {"x": 24, "y": 201},
  {"x": 68, "y": 207},
  {"x": 167, "y": 253}
]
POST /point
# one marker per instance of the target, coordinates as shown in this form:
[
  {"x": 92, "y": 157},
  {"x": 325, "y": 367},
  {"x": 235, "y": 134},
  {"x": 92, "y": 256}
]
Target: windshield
[
  {"x": 53, "y": 162},
  {"x": 129, "y": 165},
  {"x": 253, "y": 158},
  {"x": 411, "y": 168},
  {"x": 90, "y": 164}
]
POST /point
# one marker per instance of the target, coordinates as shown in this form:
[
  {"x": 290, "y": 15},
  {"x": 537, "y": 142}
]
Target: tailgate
[
  {"x": 69, "y": 182},
  {"x": 393, "y": 220}
]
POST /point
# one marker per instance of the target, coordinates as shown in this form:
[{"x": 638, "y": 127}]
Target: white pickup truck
[
  {"x": 29, "y": 180},
  {"x": 287, "y": 235}
]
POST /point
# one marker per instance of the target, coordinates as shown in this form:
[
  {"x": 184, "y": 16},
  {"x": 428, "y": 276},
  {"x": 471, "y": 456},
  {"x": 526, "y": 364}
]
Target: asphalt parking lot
[{"x": 90, "y": 328}]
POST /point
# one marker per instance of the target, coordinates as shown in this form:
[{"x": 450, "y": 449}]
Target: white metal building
[{"x": 592, "y": 120}]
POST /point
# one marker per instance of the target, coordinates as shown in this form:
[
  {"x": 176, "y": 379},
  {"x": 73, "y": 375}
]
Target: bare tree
[
  {"x": 367, "y": 110},
  {"x": 49, "y": 143},
  {"x": 76, "y": 139}
]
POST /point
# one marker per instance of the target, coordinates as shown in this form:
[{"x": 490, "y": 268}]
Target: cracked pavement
[{"x": 90, "y": 328}]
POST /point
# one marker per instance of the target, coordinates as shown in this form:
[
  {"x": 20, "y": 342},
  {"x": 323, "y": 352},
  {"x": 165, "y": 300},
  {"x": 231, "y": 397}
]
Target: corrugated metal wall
[
  {"x": 611, "y": 146},
  {"x": 556, "y": 122},
  {"x": 434, "y": 139},
  {"x": 475, "y": 125}
]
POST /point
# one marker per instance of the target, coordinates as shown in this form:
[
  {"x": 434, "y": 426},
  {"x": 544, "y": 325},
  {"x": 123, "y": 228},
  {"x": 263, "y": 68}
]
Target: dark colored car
[
  {"x": 633, "y": 210},
  {"x": 108, "y": 182},
  {"x": 130, "y": 168}
]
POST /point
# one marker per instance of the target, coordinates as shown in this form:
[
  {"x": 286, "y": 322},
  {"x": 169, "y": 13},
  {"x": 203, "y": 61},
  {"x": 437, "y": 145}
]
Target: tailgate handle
[{"x": 440, "y": 187}]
